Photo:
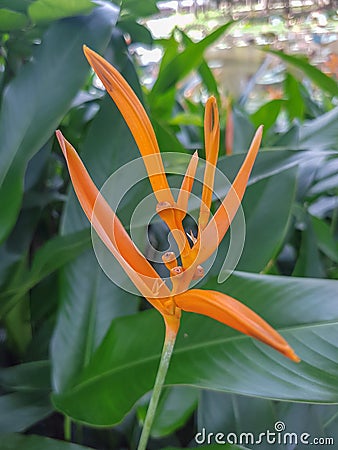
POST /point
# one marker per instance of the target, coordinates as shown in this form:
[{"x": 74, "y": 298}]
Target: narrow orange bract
[
  {"x": 214, "y": 232},
  {"x": 186, "y": 186},
  {"x": 171, "y": 301},
  {"x": 108, "y": 226},
  {"x": 136, "y": 119},
  {"x": 212, "y": 132},
  {"x": 231, "y": 312}
]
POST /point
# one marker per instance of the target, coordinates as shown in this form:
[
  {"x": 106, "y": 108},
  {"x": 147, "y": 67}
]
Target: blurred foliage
[{"x": 76, "y": 350}]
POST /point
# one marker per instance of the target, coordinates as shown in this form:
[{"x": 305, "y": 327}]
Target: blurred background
[{"x": 78, "y": 355}]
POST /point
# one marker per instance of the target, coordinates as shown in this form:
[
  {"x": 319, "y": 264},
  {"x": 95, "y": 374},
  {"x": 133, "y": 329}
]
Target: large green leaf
[
  {"x": 49, "y": 10},
  {"x": 28, "y": 377},
  {"x": 294, "y": 103},
  {"x": 267, "y": 205},
  {"x": 268, "y": 163},
  {"x": 247, "y": 420},
  {"x": 36, "y": 99},
  {"x": 53, "y": 255},
  {"x": 308, "y": 262},
  {"x": 267, "y": 208},
  {"x": 213, "y": 356},
  {"x": 326, "y": 242},
  {"x": 20, "y": 410},
  {"x": 16, "y": 5},
  {"x": 12, "y": 20},
  {"x": 32, "y": 442},
  {"x": 236, "y": 414},
  {"x": 321, "y": 132},
  {"x": 176, "y": 405},
  {"x": 322, "y": 80}
]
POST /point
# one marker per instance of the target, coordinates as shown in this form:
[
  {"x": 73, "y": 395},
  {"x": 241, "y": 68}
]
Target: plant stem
[
  {"x": 67, "y": 428},
  {"x": 167, "y": 351}
]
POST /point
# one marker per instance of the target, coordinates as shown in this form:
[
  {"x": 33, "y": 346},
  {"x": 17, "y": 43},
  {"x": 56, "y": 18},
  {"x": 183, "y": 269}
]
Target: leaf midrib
[{"x": 156, "y": 356}]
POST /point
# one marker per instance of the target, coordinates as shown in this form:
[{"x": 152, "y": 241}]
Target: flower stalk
[{"x": 167, "y": 351}]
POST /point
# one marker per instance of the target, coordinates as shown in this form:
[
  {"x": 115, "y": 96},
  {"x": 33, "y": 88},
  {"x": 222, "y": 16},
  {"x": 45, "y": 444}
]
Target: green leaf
[
  {"x": 86, "y": 292},
  {"x": 57, "y": 252},
  {"x": 326, "y": 242},
  {"x": 95, "y": 301},
  {"x": 247, "y": 420},
  {"x": 267, "y": 209},
  {"x": 136, "y": 9},
  {"x": 21, "y": 410},
  {"x": 12, "y": 20},
  {"x": 138, "y": 32},
  {"x": 268, "y": 163},
  {"x": 32, "y": 442},
  {"x": 166, "y": 138},
  {"x": 321, "y": 132},
  {"x": 223, "y": 412},
  {"x": 48, "y": 10},
  {"x": 294, "y": 103},
  {"x": 28, "y": 377},
  {"x": 187, "y": 119},
  {"x": 184, "y": 62},
  {"x": 205, "y": 72},
  {"x": 35, "y": 100},
  {"x": 267, "y": 205},
  {"x": 323, "y": 81},
  {"x": 243, "y": 130},
  {"x": 267, "y": 114},
  {"x": 325, "y": 185},
  {"x": 52, "y": 256},
  {"x": 308, "y": 262},
  {"x": 213, "y": 356},
  {"x": 16, "y": 5},
  {"x": 175, "y": 407}
]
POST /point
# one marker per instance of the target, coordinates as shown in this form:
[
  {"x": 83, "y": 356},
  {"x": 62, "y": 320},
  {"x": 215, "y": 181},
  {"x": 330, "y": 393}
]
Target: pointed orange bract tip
[
  {"x": 214, "y": 232},
  {"x": 231, "y": 312},
  {"x": 211, "y": 138},
  {"x": 136, "y": 119},
  {"x": 108, "y": 227},
  {"x": 187, "y": 184}
]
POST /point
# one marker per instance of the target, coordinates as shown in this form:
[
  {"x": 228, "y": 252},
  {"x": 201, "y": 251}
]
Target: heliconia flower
[{"x": 194, "y": 250}]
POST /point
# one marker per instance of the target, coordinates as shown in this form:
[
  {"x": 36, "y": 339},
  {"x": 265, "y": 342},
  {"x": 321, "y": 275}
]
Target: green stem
[
  {"x": 67, "y": 428},
  {"x": 167, "y": 351}
]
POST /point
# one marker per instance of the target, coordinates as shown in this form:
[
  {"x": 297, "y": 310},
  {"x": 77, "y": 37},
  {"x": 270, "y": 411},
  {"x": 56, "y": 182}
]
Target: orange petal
[
  {"x": 137, "y": 121},
  {"x": 109, "y": 228},
  {"x": 214, "y": 232},
  {"x": 187, "y": 183},
  {"x": 211, "y": 132},
  {"x": 231, "y": 312}
]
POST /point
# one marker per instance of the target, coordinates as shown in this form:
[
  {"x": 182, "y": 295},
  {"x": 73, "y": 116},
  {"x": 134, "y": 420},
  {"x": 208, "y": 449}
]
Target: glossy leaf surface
[
  {"x": 32, "y": 442},
  {"x": 210, "y": 355},
  {"x": 26, "y": 102}
]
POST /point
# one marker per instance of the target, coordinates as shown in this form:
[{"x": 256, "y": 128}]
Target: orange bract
[{"x": 168, "y": 301}]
